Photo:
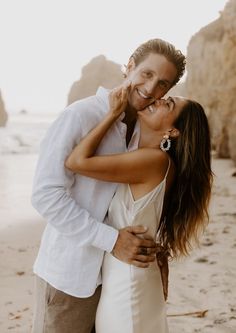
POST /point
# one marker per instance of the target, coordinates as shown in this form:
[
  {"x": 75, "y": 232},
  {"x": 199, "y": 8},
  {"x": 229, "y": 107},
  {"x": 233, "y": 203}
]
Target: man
[{"x": 75, "y": 238}]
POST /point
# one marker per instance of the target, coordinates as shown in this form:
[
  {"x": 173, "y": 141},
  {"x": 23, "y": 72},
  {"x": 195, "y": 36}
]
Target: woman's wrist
[{"x": 114, "y": 115}]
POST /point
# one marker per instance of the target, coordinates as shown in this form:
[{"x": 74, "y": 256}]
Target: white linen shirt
[{"x": 75, "y": 237}]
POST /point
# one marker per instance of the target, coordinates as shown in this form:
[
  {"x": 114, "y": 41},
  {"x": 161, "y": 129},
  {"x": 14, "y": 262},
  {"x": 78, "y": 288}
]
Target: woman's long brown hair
[{"x": 187, "y": 209}]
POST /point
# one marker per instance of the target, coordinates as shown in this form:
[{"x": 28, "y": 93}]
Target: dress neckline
[
  {"x": 145, "y": 195},
  {"x": 150, "y": 192}
]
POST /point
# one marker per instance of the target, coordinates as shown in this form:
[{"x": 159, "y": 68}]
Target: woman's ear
[{"x": 174, "y": 133}]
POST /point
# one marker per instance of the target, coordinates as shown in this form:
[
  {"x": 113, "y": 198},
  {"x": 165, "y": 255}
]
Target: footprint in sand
[
  {"x": 201, "y": 260},
  {"x": 207, "y": 242}
]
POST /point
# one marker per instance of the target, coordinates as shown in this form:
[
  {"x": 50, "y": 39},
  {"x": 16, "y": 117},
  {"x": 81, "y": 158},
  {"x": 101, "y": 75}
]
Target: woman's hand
[{"x": 118, "y": 99}]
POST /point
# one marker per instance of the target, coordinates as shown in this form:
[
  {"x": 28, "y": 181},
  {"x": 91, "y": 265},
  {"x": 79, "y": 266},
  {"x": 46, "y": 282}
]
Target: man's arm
[{"x": 51, "y": 197}]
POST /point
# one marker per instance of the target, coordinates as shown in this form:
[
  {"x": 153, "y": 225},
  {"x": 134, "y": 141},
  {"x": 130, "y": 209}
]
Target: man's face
[{"x": 150, "y": 80}]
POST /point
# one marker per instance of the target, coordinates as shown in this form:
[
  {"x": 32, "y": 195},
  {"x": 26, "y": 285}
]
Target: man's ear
[
  {"x": 174, "y": 133},
  {"x": 131, "y": 65}
]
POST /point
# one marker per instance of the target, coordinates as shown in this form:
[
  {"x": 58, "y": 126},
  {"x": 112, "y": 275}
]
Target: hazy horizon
[{"x": 44, "y": 44}]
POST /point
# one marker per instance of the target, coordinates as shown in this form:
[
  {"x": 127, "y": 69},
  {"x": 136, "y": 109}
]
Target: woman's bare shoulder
[
  {"x": 157, "y": 156},
  {"x": 154, "y": 164}
]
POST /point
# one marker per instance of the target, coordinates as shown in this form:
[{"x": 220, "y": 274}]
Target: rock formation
[
  {"x": 3, "y": 114},
  {"x": 211, "y": 79},
  {"x": 178, "y": 90},
  {"x": 98, "y": 72}
]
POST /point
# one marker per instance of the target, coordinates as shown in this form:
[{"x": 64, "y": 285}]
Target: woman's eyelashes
[{"x": 170, "y": 104}]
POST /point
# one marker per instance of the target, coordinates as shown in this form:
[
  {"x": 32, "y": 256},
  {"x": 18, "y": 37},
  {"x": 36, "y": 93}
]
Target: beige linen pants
[{"x": 57, "y": 312}]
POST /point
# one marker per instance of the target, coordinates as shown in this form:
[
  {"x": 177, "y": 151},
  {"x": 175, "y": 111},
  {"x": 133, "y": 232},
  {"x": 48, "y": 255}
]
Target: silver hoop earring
[{"x": 165, "y": 143}]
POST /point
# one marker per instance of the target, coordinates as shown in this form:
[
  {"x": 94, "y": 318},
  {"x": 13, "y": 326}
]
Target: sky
[{"x": 45, "y": 43}]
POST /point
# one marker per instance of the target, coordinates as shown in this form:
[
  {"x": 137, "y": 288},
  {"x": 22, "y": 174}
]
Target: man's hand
[{"x": 134, "y": 250}]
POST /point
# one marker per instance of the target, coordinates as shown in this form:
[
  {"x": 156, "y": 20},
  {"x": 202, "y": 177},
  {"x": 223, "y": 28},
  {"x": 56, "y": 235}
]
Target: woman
[{"x": 171, "y": 169}]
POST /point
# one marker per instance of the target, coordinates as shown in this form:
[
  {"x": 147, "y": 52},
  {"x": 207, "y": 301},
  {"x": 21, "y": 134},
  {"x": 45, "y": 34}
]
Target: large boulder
[
  {"x": 98, "y": 72},
  {"x": 3, "y": 114},
  {"x": 211, "y": 79},
  {"x": 178, "y": 90}
]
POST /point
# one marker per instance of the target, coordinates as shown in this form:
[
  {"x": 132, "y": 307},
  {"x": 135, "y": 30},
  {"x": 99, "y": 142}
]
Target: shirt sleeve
[{"x": 51, "y": 196}]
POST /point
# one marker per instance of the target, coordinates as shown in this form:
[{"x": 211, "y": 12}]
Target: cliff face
[
  {"x": 211, "y": 79},
  {"x": 3, "y": 114},
  {"x": 178, "y": 90},
  {"x": 98, "y": 72}
]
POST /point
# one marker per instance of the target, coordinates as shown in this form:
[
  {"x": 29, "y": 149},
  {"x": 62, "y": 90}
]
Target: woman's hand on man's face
[{"x": 118, "y": 98}]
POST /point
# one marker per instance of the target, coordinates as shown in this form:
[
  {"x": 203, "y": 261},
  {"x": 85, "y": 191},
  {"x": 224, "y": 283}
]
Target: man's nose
[
  {"x": 153, "y": 90},
  {"x": 150, "y": 87}
]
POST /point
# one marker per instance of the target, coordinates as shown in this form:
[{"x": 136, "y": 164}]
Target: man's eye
[
  {"x": 147, "y": 74},
  {"x": 163, "y": 84}
]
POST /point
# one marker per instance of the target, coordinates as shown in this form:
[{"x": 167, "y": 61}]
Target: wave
[{"x": 24, "y": 133}]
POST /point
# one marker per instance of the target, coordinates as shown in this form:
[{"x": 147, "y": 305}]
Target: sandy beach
[{"x": 202, "y": 294}]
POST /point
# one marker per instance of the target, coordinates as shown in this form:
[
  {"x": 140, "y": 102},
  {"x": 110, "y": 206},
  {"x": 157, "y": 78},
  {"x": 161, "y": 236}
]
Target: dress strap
[{"x": 168, "y": 167}]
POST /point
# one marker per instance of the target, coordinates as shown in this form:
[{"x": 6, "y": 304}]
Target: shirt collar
[
  {"x": 103, "y": 94},
  {"x": 134, "y": 141}
]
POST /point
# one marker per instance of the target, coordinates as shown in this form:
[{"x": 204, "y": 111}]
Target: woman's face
[{"x": 162, "y": 114}]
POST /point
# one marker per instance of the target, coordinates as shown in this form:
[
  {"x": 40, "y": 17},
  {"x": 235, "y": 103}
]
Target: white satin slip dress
[{"x": 132, "y": 299}]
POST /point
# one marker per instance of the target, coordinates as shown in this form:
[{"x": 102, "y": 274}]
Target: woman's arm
[
  {"x": 133, "y": 167},
  {"x": 88, "y": 145}
]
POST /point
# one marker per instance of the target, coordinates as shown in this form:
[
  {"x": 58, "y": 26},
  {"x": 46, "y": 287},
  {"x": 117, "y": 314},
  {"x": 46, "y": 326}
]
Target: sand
[{"x": 202, "y": 287}]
